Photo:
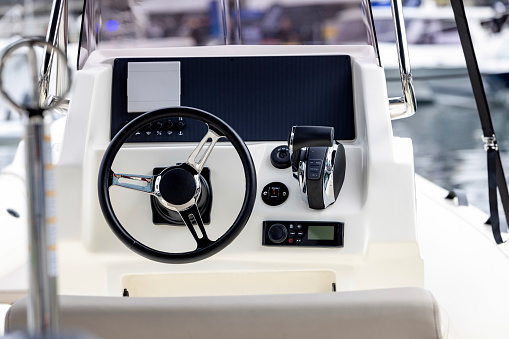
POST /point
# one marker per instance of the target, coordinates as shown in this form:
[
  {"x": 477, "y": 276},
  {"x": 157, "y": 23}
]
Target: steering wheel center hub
[{"x": 178, "y": 186}]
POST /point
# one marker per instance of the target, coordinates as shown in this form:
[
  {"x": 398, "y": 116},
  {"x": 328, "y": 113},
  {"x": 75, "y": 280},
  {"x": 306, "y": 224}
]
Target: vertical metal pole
[
  {"x": 57, "y": 12},
  {"x": 57, "y": 36},
  {"x": 62, "y": 44},
  {"x": 224, "y": 15},
  {"x": 370, "y": 25},
  {"x": 43, "y": 308},
  {"x": 232, "y": 34},
  {"x": 406, "y": 105},
  {"x": 239, "y": 23}
]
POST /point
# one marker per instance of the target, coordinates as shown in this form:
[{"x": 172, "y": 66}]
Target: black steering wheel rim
[{"x": 105, "y": 180}]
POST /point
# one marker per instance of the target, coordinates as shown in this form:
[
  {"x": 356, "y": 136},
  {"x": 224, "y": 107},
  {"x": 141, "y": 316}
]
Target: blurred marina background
[{"x": 445, "y": 131}]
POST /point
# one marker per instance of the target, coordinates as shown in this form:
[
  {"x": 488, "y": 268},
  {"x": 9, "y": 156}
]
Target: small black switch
[
  {"x": 313, "y": 175},
  {"x": 275, "y": 193},
  {"x": 169, "y": 124},
  {"x": 180, "y": 125},
  {"x": 314, "y": 169}
]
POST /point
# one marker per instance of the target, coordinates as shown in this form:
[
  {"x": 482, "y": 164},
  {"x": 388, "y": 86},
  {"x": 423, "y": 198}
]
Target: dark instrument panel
[{"x": 261, "y": 97}]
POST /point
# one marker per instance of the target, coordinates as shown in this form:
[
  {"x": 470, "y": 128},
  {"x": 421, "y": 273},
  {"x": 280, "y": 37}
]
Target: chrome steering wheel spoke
[
  {"x": 192, "y": 218},
  {"x": 147, "y": 179},
  {"x": 211, "y": 138}
]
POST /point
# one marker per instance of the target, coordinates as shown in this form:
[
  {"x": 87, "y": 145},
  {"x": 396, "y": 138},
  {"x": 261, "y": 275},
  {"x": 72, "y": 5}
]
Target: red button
[{"x": 290, "y": 240}]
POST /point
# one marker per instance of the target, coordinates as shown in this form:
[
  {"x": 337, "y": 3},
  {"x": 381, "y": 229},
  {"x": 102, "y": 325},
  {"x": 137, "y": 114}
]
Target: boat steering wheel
[{"x": 177, "y": 188}]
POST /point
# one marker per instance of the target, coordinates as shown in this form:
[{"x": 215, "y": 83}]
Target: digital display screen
[{"x": 321, "y": 232}]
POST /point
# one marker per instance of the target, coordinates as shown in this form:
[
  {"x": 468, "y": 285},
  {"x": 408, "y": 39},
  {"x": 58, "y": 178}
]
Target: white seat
[{"x": 402, "y": 313}]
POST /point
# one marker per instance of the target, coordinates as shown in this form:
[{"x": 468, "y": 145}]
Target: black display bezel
[{"x": 338, "y": 240}]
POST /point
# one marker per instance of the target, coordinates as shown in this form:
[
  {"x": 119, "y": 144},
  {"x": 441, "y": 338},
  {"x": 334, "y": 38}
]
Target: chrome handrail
[
  {"x": 57, "y": 35},
  {"x": 370, "y": 25},
  {"x": 63, "y": 39},
  {"x": 406, "y": 105}
]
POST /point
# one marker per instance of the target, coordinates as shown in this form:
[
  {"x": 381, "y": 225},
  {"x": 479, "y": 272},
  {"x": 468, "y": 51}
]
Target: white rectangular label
[{"x": 152, "y": 85}]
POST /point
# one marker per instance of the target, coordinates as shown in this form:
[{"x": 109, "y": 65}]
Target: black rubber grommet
[
  {"x": 280, "y": 157},
  {"x": 13, "y": 213}
]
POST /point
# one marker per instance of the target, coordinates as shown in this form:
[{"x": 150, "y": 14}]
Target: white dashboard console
[{"x": 368, "y": 234}]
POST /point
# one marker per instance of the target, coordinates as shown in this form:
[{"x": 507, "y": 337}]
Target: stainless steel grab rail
[
  {"x": 57, "y": 35},
  {"x": 406, "y": 105},
  {"x": 370, "y": 26}
]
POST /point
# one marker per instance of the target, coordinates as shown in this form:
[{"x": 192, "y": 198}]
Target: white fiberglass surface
[{"x": 375, "y": 225}]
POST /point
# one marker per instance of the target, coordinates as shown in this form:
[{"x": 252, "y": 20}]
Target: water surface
[{"x": 448, "y": 149}]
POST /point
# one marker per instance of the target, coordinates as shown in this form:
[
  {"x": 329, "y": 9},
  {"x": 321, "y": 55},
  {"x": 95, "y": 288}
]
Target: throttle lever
[
  {"x": 318, "y": 163},
  {"x": 308, "y": 136}
]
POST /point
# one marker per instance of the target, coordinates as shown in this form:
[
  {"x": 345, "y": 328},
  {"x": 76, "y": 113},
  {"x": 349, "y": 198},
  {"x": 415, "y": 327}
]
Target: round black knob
[
  {"x": 159, "y": 125},
  {"x": 280, "y": 157},
  {"x": 149, "y": 125},
  {"x": 180, "y": 125},
  {"x": 277, "y": 233}
]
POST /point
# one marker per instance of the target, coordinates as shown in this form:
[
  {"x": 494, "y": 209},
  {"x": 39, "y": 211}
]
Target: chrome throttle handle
[{"x": 318, "y": 162}]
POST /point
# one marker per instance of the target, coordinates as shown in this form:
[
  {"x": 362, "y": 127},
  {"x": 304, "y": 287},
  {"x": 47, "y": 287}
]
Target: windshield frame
[{"x": 230, "y": 33}]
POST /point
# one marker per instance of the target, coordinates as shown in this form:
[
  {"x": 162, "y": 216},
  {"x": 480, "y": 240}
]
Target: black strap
[{"x": 496, "y": 177}]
